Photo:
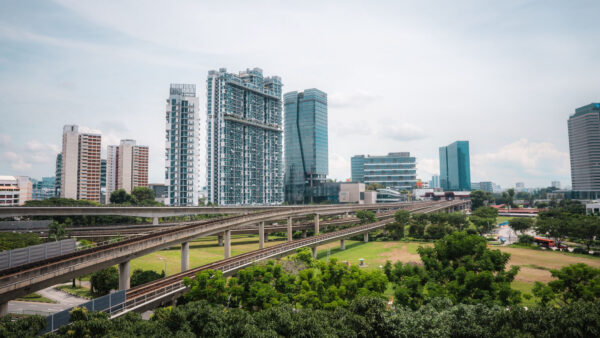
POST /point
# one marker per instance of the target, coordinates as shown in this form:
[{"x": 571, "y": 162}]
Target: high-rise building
[
  {"x": 126, "y": 167},
  {"x": 182, "y": 160},
  {"x": 245, "y": 135},
  {"x": 455, "y": 167},
  {"x": 435, "y": 181},
  {"x": 306, "y": 144},
  {"x": 80, "y": 170},
  {"x": 58, "y": 174},
  {"x": 555, "y": 184},
  {"x": 394, "y": 170},
  {"x": 44, "y": 189},
  {"x": 584, "y": 148},
  {"x": 103, "y": 181}
]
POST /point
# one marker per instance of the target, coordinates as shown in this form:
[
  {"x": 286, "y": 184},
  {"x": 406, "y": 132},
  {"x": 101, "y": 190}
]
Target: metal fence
[
  {"x": 109, "y": 303},
  {"x": 16, "y": 257}
]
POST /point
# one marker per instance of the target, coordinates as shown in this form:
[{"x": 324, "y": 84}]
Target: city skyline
[{"x": 99, "y": 59}]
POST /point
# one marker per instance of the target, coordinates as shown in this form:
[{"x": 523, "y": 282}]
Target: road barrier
[{"x": 16, "y": 257}]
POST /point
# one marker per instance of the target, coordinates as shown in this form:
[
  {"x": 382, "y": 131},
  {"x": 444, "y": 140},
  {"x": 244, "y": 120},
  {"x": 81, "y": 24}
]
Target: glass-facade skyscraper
[
  {"x": 455, "y": 167},
  {"x": 394, "y": 170},
  {"x": 182, "y": 146},
  {"x": 245, "y": 138},
  {"x": 306, "y": 144},
  {"x": 584, "y": 150}
]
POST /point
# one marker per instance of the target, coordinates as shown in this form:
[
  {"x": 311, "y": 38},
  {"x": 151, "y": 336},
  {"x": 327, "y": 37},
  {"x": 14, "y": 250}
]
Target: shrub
[{"x": 526, "y": 239}]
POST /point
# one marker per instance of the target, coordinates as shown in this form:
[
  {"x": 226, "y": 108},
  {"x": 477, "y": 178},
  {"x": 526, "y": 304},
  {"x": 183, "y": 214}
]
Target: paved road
[
  {"x": 63, "y": 302},
  {"x": 508, "y": 233}
]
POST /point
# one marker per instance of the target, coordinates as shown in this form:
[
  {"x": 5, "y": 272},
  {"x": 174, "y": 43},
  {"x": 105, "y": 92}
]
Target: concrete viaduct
[{"x": 23, "y": 280}]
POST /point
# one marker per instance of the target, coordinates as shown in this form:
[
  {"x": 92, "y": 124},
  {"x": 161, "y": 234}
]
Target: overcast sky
[{"x": 401, "y": 76}]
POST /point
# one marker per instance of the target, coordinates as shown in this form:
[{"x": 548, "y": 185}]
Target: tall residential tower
[
  {"x": 80, "y": 169},
  {"x": 244, "y": 147},
  {"x": 126, "y": 167},
  {"x": 182, "y": 146},
  {"x": 584, "y": 148},
  {"x": 455, "y": 167},
  {"x": 306, "y": 144}
]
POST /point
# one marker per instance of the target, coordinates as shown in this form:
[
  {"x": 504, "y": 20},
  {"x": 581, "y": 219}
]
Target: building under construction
[{"x": 245, "y": 138}]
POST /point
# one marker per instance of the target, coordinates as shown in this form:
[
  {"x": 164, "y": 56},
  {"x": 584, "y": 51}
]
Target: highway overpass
[{"x": 23, "y": 280}]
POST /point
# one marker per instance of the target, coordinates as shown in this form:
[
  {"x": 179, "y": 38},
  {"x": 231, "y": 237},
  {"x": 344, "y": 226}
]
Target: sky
[{"x": 400, "y": 75}]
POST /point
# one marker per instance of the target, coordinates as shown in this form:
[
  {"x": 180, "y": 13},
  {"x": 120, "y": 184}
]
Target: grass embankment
[
  {"x": 78, "y": 291},
  {"x": 34, "y": 297}
]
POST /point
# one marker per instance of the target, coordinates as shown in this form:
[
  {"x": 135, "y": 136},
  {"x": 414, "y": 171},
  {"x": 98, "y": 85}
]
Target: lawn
[
  {"x": 78, "y": 291},
  {"x": 34, "y": 297},
  {"x": 202, "y": 251}
]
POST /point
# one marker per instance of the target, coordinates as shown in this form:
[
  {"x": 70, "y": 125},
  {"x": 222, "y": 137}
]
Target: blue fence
[{"x": 113, "y": 302}]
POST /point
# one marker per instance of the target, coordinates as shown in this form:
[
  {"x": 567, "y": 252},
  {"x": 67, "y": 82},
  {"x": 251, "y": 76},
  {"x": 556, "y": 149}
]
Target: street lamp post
[{"x": 165, "y": 260}]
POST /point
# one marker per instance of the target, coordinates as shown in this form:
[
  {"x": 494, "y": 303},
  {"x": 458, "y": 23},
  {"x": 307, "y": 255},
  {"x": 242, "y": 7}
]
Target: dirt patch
[
  {"x": 401, "y": 255},
  {"x": 388, "y": 245},
  {"x": 530, "y": 275}
]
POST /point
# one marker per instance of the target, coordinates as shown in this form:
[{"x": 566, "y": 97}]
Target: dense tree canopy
[
  {"x": 11, "y": 240},
  {"x": 480, "y": 198}
]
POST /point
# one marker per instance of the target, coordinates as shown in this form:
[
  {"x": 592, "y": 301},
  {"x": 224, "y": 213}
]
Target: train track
[{"x": 176, "y": 281}]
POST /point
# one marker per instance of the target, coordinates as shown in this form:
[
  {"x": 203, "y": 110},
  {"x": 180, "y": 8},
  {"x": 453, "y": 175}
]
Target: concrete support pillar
[
  {"x": 342, "y": 244},
  {"x": 227, "y": 243},
  {"x": 289, "y": 228},
  {"x": 124, "y": 275},
  {"x": 304, "y": 233},
  {"x": 314, "y": 251},
  {"x": 3, "y": 309},
  {"x": 220, "y": 240},
  {"x": 155, "y": 220},
  {"x": 261, "y": 235},
  {"x": 185, "y": 256},
  {"x": 366, "y": 237},
  {"x": 316, "y": 224}
]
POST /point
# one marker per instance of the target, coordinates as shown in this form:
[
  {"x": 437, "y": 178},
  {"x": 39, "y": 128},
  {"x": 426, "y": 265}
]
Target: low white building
[{"x": 15, "y": 190}]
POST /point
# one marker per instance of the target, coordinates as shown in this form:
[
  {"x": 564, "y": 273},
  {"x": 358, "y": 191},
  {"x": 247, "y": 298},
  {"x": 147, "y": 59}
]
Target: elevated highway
[
  {"x": 29, "y": 278},
  {"x": 150, "y": 295}
]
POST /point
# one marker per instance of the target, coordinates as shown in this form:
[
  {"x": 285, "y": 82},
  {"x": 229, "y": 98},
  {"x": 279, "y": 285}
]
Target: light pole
[{"x": 165, "y": 260}]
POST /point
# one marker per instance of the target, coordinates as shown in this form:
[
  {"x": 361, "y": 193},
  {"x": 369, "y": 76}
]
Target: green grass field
[
  {"x": 34, "y": 297},
  {"x": 78, "y": 291}
]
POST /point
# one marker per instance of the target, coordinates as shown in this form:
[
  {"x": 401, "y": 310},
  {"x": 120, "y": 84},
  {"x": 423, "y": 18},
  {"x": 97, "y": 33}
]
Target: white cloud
[
  {"x": 427, "y": 167},
  {"x": 16, "y": 161},
  {"x": 402, "y": 132},
  {"x": 4, "y": 140},
  {"x": 356, "y": 99},
  {"x": 338, "y": 166}
]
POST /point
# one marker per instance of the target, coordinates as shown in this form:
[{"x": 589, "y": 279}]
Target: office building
[
  {"x": 520, "y": 187},
  {"x": 475, "y": 186},
  {"x": 245, "y": 135},
  {"x": 44, "y": 189},
  {"x": 58, "y": 174},
  {"x": 182, "y": 162},
  {"x": 306, "y": 144},
  {"x": 486, "y": 186},
  {"x": 435, "y": 181},
  {"x": 455, "y": 167},
  {"x": 126, "y": 167},
  {"x": 555, "y": 184},
  {"x": 80, "y": 169},
  {"x": 394, "y": 170},
  {"x": 584, "y": 148}
]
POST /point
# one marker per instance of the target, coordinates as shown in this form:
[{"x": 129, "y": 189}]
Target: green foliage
[
  {"x": 484, "y": 219},
  {"x": 104, "y": 280},
  {"x": 480, "y": 198},
  {"x": 57, "y": 231},
  {"x": 366, "y": 216},
  {"x": 576, "y": 282},
  {"x": 526, "y": 239},
  {"x": 11, "y": 240},
  {"x": 61, "y": 202},
  {"x": 140, "y": 276},
  {"x": 509, "y": 197},
  {"x": 26, "y": 327},
  {"x": 121, "y": 196},
  {"x": 521, "y": 224},
  {"x": 586, "y": 228},
  {"x": 143, "y": 194}
]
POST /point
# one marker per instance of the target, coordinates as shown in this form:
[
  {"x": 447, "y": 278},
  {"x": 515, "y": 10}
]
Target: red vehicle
[{"x": 547, "y": 243}]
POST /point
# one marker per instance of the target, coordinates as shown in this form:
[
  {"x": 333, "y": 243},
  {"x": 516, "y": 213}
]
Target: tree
[
  {"x": 586, "y": 228},
  {"x": 521, "y": 224},
  {"x": 374, "y": 186},
  {"x": 402, "y": 219},
  {"x": 104, "y": 280},
  {"x": 140, "y": 276},
  {"x": 143, "y": 194},
  {"x": 480, "y": 198},
  {"x": 120, "y": 196},
  {"x": 576, "y": 282},
  {"x": 553, "y": 227},
  {"x": 366, "y": 216},
  {"x": 458, "y": 220},
  {"x": 57, "y": 231},
  {"x": 509, "y": 197},
  {"x": 15, "y": 240},
  {"x": 484, "y": 219}
]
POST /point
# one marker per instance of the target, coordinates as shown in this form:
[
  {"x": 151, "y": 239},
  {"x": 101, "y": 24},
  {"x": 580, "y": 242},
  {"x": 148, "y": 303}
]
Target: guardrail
[{"x": 34, "y": 253}]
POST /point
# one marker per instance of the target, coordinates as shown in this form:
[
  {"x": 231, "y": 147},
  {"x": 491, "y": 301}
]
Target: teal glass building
[
  {"x": 306, "y": 145},
  {"x": 455, "y": 167}
]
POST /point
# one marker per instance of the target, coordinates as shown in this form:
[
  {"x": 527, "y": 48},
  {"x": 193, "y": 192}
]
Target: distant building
[
  {"x": 127, "y": 167},
  {"x": 584, "y": 150},
  {"x": 435, "y": 181},
  {"x": 44, "y": 189},
  {"x": 475, "y": 186},
  {"x": 555, "y": 184},
  {"x": 103, "y": 181},
  {"x": 394, "y": 170},
  {"x": 58, "y": 174},
  {"x": 182, "y": 162},
  {"x": 160, "y": 191},
  {"x": 455, "y": 167},
  {"x": 15, "y": 190},
  {"x": 486, "y": 186},
  {"x": 245, "y": 138},
  {"x": 306, "y": 144},
  {"x": 80, "y": 169},
  {"x": 520, "y": 187}
]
